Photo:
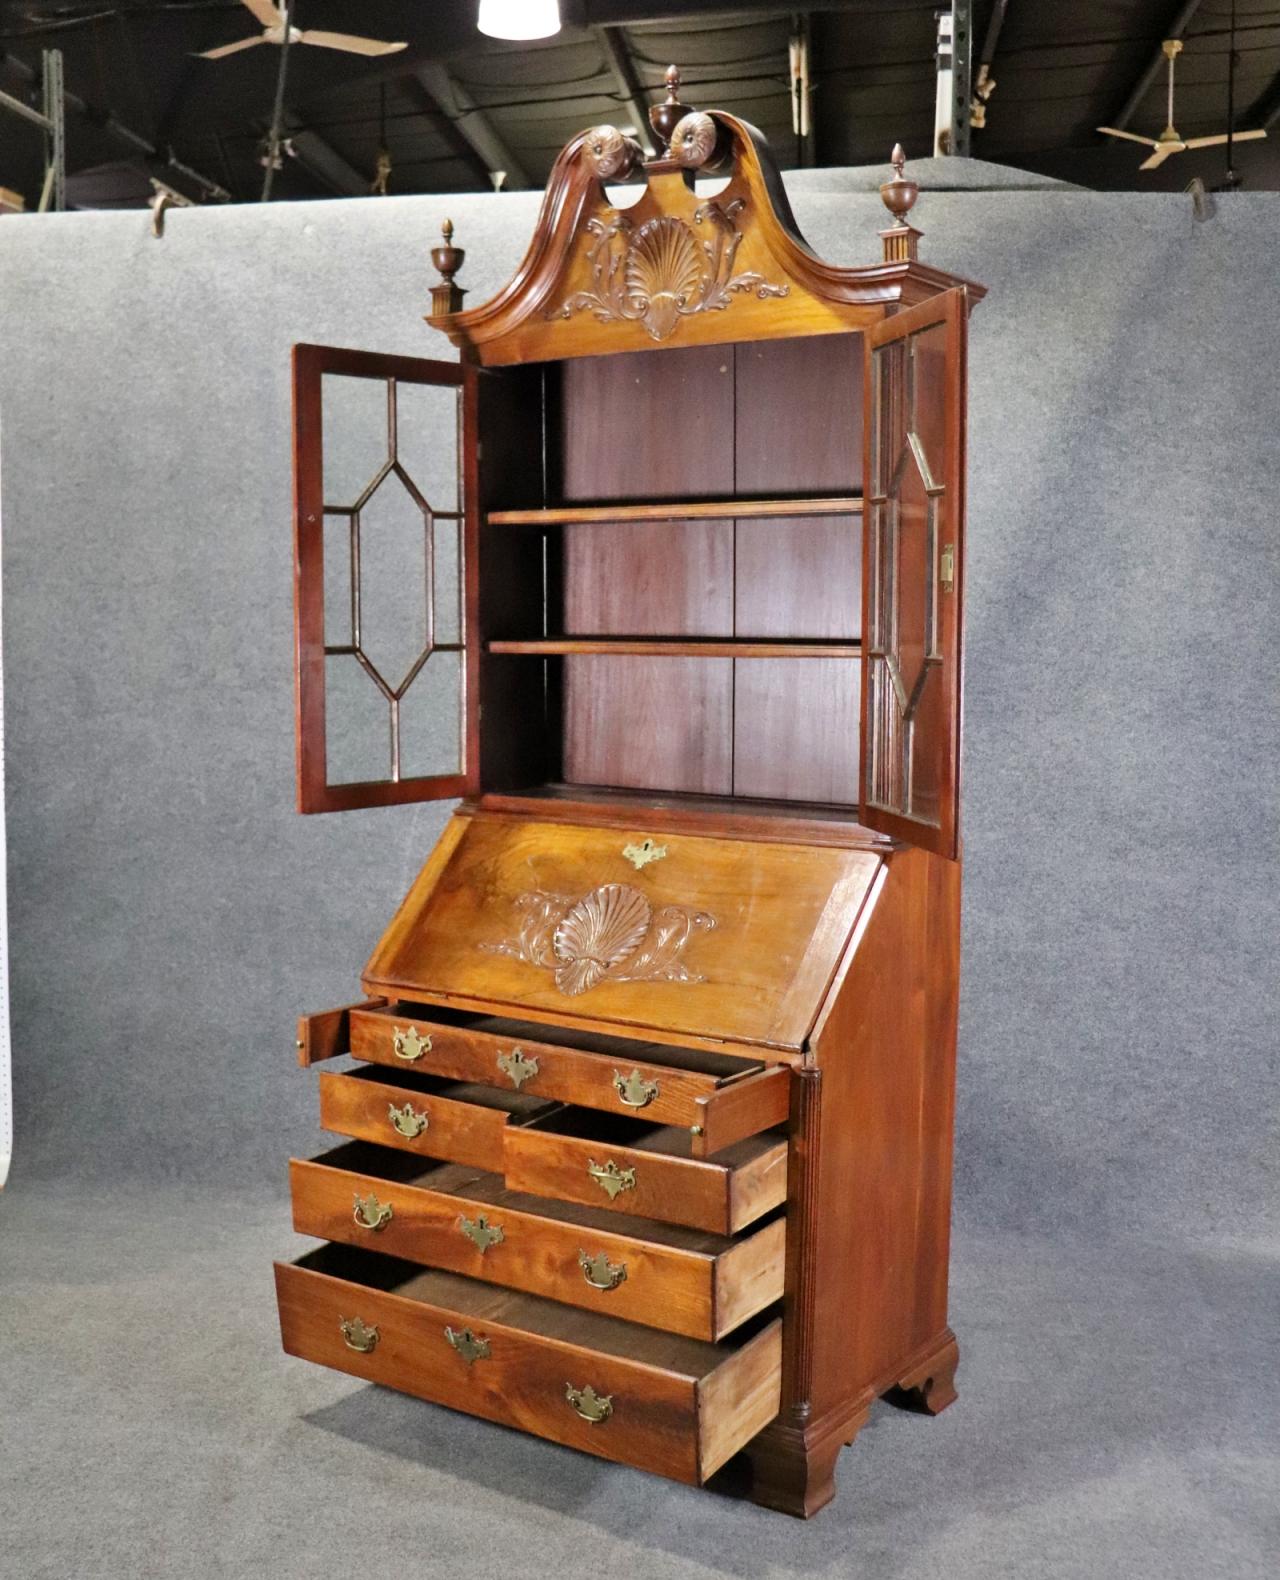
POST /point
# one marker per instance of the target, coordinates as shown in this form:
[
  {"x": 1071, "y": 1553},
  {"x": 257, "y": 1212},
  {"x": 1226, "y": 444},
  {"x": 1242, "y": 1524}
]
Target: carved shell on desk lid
[
  {"x": 611, "y": 934},
  {"x": 601, "y": 931}
]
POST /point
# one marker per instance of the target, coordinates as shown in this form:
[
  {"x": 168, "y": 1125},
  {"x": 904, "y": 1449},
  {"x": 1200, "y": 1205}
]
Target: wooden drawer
[
  {"x": 674, "y": 1405},
  {"x": 452, "y": 1120},
  {"x": 725, "y": 1098},
  {"x": 449, "y": 1216},
  {"x": 626, "y": 1165}
]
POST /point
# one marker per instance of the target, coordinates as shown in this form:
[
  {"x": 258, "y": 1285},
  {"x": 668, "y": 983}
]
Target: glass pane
[
  {"x": 448, "y": 583},
  {"x": 354, "y": 434},
  {"x": 393, "y": 581},
  {"x": 357, "y": 724},
  {"x": 431, "y": 719},
  {"x": 907, "y": 521},
  {"x": 427, "y": 441},
  {"x": 338, "y": 629}
]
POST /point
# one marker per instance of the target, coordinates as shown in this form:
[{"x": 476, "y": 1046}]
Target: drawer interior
[
  {"x": 479, "y": 1303},
  {"x": 674, "y": 1141},
  {"x": 722, "y": 1067},
  {"x": 520, "y": 1105},
  {"x": 490, "y": 1191}
]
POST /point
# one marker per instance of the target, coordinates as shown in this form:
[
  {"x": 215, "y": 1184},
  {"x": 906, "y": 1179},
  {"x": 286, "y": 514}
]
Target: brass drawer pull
[
  {"x": 370, "y": 1213},
  {"x": 600, "y": 1272},
  {"x": 590, "y": 1405},
  {"x": 634, "y": 1090},
  {"x": 467, "y": 1345},
  {"x": 611, "y": 1179},
  {"x": 408, "y": 1121},
  {"x": 481, "y": 1232},
  {"x": 517, "y": 1068},
  {"x": 409, "y": 1044},
  {"x": 359, "y": 1335}
]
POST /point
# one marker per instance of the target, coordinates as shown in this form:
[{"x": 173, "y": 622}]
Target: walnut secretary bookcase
[{"x": 649, "y": 1124}]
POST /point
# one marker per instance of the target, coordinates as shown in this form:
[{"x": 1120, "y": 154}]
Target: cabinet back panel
[
  {"x": 647, "y": 425},
  {"x": 648, "y": 578},
  {"x": 799, "y": 416},
  {"x": 798, "y": 577},
  {"x": 795, "y": 729},
  {"x": 649, "y": 723}
]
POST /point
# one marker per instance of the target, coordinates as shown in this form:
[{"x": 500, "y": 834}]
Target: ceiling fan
[
  {"x": 273, "y": 22},
  {"x": 1169, "y": 142}
]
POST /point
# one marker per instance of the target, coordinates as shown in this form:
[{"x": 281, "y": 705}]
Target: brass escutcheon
[
  {"x": 408, "y": 1121},
  {"x": 947, "y": 568},
  {"x": 590, "y": 1405},
  {"x": 642, "y": 854},
  {"x": 634, "y": 1090},
  {"x": 517, "y": 1068},
  {"x": 359, "y": 1335},
  {"x": 481, "y": 1232},
  {"x": 409, "y": 1044},
  {"x": 370, "y": 1213},
  {"x": 610, "y": 1178},
  {"x": 600, "y": 1272},
  {"x": 467, "y": 1345}
]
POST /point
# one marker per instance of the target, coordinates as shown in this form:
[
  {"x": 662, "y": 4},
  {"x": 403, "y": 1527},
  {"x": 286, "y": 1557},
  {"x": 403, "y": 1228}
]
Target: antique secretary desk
[{"x": 650, "y": 1121}]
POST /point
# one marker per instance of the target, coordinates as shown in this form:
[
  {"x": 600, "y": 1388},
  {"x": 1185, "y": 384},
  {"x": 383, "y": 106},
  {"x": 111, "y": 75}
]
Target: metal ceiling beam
[
  {"x": 323, "y": 160},
  {"x": 614, "y": 44},
  {"x": 472, "y": 124},
  {"x": 1155, "y": 66}
]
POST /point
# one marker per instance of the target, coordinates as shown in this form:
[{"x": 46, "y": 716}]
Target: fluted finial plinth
[
  {"x": 446, "y": 297},
  {"x": 902, "y": 239}
]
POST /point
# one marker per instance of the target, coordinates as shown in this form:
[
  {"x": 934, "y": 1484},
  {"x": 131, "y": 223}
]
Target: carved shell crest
[
  {"x": 601, "y": 930},
  {"x": 665, "y": 272}
]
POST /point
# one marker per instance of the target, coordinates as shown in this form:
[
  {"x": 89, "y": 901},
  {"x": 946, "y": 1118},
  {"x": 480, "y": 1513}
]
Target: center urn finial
[{"x": 665, "y": 117}]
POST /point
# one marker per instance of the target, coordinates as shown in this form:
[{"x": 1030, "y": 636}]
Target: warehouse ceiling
[{"x": 455, "y": 105}]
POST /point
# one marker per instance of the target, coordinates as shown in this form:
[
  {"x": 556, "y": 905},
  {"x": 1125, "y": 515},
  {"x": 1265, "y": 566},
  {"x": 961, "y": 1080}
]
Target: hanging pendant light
[{"x": 519, "y": 18}]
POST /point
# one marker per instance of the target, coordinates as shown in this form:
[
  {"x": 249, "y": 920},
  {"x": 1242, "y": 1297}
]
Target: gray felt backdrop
[{"x": 170, "y": 914}]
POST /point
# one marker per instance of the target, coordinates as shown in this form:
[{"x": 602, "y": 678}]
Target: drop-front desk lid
[{"x": 688, "y": 936}]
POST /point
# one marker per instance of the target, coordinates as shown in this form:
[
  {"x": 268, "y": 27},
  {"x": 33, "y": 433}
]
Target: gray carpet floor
[{"x": 1118, "y": 1418}]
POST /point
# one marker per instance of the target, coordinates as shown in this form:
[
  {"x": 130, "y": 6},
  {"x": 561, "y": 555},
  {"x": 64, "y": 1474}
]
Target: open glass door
[
  {"x": 385, "y": 694},
  {"x": 912, "y": 568}
]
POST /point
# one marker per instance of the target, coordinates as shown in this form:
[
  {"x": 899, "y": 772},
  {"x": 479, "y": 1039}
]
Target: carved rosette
[
  {"x": 611, "y": 934},
  {"x": 667, "y": 270},
  {"x": 693, "y": 141},
  {"x": 612, "y": 155}
]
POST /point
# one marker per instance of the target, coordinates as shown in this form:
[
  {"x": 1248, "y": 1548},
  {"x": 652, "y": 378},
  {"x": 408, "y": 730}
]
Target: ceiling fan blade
[
  {"x": 350, "y": 42},
  {"x": 1163, "y": 152},
  {"x": 232, "y": 49},
  {"x": 268, "y": 14},
  {"x": 1213, "y": 142},
  {"x": 1114, "y": 131}
]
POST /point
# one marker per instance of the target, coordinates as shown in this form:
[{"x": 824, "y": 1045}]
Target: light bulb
[{"x": 519, "y": 18}]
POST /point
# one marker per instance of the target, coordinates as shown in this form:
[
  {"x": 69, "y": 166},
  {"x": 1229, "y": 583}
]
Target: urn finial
[
  {"x": 901, "y": 240},
  {"x": 446, "y": 297},
  {"x": 665, "y": 117}
]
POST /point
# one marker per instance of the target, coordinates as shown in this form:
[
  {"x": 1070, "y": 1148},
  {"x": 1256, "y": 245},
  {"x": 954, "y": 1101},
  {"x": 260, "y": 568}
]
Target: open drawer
[
  {"x": 654, "y": 1400},
  {"x": 460, "y": 1219},
  {"x": 456, "y": 1121},
  {"x": 717, "y": 1098},
  {"x": 627, "y": 1165}
]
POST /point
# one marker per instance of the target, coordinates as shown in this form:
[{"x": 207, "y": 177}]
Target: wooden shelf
[
  {"x": 679, "y": 510},
  {"x": 666, "y": 647}
]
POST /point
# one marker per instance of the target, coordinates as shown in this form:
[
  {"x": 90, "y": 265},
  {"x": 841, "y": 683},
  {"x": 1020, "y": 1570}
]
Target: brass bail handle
[
  {"x": 590, "y": 1405},
  {"x": 359, "y": 1335},
  {"x": 410, "y": 1044},
  {"x": 600, "y": 1272},
  {"x": 610, "y": 1178},
  {"x": 370, "y": 1213}
]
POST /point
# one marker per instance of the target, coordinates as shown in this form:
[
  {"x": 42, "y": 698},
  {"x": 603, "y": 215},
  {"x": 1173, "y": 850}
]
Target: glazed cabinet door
[
  {"x": 912, "y": 569},
  {"x": 384, "y": 537}
]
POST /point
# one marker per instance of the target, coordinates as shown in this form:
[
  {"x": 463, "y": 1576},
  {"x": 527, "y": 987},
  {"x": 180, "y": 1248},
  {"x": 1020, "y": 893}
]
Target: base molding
[{"x": 793, "y": 1460}]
